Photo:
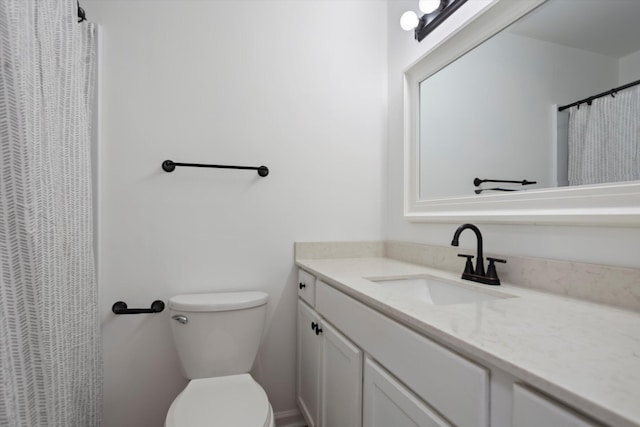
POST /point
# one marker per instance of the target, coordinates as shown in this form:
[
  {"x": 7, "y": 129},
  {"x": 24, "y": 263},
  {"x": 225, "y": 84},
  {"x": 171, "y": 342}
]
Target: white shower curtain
[
  {"x": 50, "y": 352},
  {"x": 604, "y": 139}
]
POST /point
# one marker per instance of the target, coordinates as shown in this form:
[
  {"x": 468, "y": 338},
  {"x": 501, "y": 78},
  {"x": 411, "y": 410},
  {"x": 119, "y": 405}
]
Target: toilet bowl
[
  {"x": 231, "y": 401},
  {"x": 217, "y": 336}
]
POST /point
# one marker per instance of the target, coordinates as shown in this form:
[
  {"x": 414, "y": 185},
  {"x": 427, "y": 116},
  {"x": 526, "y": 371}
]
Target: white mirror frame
[{"x": 616, "y": 204}]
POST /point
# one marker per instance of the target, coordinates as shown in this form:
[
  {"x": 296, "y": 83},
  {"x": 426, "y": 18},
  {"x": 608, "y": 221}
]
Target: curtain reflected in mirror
[{"x": 603, "y": 139}]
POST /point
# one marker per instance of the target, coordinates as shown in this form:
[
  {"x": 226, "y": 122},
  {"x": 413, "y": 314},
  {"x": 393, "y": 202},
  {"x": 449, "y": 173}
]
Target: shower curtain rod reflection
[
  {"x": 82, "y": 16},
  {"x": 590, "y": 99}
]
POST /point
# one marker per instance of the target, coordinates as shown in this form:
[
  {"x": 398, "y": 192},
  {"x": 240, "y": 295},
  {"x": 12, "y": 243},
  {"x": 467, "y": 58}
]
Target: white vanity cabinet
[
  {"x": 358, "y": 367},
  {"x": 329, "y": 373},
  {"x": 454, "y": 386},
  {"x": 332, "y": 338}
]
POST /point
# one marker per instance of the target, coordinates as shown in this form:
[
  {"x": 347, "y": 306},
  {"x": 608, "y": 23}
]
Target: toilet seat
[{"x": 230, "y": 401}]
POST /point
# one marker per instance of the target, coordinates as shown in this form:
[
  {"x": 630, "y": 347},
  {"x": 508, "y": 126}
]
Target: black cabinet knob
[
  {"x": 316, "y": 327},
  {"x": 301, "y": 285}
]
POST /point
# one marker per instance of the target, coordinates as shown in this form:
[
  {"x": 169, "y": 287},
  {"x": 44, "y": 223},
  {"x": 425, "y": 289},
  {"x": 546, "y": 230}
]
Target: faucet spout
[{"x": 479, "y": 260}]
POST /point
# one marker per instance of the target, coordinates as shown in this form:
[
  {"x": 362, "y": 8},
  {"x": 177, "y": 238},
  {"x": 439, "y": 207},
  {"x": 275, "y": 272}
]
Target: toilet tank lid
[{"x": 221, "y": 301}]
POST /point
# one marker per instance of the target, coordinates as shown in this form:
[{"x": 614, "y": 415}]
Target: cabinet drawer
[
  {"x": 307, "y": 287},
  {"x": 389, "y": 403},
  {"x": 531, "y": 409},
  {"x": 455, "y": 387}
]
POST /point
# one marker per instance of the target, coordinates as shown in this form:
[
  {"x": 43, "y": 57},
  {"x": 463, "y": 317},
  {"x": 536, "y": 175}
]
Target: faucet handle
[
  {"x": 468, "y": 267},
  {"x": 491, "y": 270}
]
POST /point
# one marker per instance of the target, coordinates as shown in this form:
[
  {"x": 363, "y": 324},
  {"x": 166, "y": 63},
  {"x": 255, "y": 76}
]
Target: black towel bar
[
  {"x": 478, "y": 181},
  {"x": 170, "y": 166},
  {"x": 120, "y": 307}
]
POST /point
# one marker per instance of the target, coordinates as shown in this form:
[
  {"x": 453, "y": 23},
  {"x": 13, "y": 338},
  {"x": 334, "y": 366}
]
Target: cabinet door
[
  {"x": 531, "y": 409},
  {"x": 388, "y": 403},
  {"x": 341, "y": 400},
  {"x": 309, "y": 358}
]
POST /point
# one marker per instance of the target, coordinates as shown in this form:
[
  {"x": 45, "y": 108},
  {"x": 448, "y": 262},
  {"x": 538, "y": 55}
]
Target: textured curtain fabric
[
  {"x": 50, "y": 352},
  {"x": 604, "y": 139}
]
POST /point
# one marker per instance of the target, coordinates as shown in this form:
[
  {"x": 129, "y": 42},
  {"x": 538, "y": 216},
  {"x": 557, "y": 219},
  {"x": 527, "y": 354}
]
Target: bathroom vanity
[{"x": 376, "y": 353}]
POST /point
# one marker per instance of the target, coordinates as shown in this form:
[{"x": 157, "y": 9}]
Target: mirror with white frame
[{"x": 483, "y": 108}]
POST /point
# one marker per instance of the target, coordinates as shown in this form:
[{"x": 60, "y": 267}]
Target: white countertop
[{"x": 585, "y": 354}]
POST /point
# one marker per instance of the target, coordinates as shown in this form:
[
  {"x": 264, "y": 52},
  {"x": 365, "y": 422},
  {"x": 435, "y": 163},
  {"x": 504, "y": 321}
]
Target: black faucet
[{"x": 478, "y": 274}]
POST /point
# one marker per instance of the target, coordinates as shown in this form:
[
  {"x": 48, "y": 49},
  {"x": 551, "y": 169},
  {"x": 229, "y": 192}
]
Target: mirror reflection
[{"x": 489, "y": 121}]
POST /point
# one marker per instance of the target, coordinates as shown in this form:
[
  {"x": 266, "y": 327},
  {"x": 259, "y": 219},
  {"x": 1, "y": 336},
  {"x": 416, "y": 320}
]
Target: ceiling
[{"x": 608, "y": 27}]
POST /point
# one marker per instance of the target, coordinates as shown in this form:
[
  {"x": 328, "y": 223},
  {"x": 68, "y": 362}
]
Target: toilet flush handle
[{"x": 180, "y": 318}]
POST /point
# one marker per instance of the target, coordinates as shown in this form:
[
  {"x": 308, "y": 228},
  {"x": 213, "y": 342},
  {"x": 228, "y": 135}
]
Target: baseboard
[{"x": 290, "y": 418}]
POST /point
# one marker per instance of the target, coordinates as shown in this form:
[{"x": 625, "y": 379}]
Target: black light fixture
[{"x": 435, "y": 12}]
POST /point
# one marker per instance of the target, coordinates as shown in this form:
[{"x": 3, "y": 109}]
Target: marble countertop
[{"x": 582, "y": 353}]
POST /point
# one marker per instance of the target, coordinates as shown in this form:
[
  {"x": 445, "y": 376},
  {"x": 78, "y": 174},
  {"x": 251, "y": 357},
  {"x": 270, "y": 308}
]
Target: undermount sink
[{"x": 438, "y": 292}]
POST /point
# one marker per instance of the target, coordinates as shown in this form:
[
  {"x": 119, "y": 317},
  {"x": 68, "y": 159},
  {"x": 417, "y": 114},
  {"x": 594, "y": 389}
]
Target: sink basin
[{"x": 437, "y": 292}]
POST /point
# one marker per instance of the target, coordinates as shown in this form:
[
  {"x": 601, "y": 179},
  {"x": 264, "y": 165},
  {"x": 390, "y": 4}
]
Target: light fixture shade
[
  {"x": 409, "y": 20},
  {"x": 429, "y": 6}
]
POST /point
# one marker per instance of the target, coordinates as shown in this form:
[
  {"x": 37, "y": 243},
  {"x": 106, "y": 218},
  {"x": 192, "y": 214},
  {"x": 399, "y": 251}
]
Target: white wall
[
  {"x": 610, "y": 245},
  {"x": 299, "y": 86},
  {"x": 629, "y": 68},
  {"x": 504, "y": 90}
]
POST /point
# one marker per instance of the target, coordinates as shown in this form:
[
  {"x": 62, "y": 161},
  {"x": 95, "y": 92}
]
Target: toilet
[{"x": 217, "y": 336}]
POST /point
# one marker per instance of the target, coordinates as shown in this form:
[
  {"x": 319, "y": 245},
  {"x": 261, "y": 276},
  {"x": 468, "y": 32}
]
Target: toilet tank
[{"x": 217, "y": 334}]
